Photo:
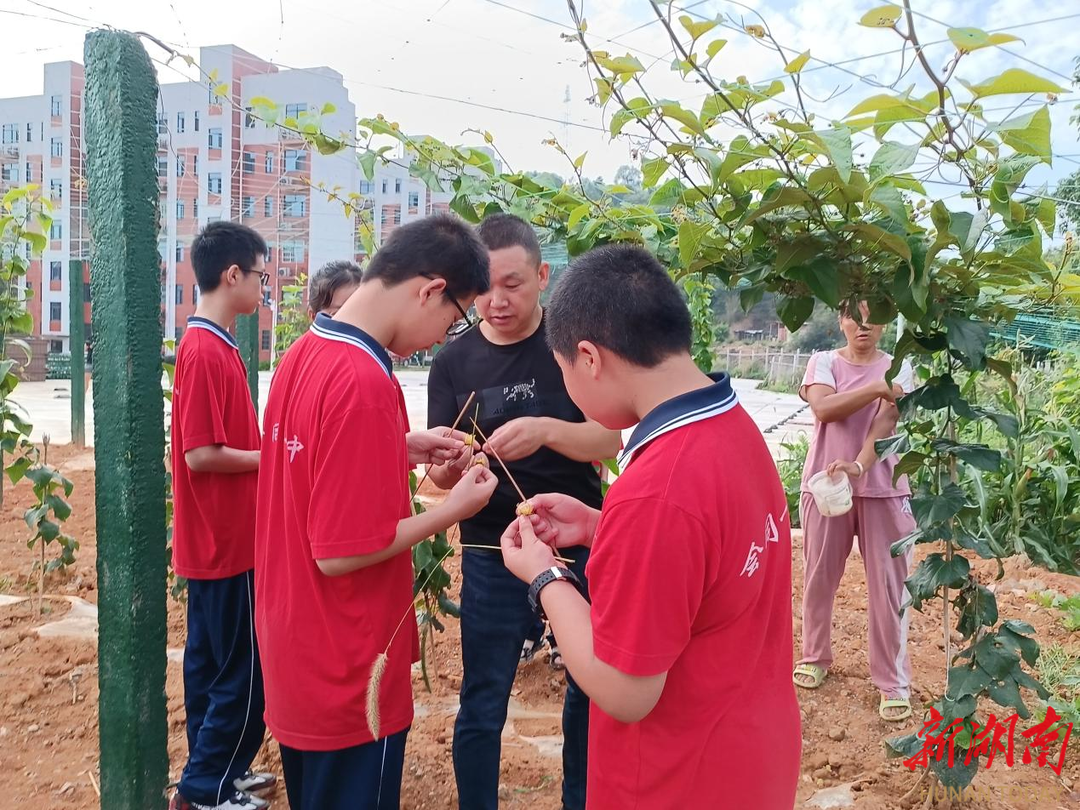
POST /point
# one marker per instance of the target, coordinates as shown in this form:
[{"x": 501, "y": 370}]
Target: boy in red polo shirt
[
  {"x": 686, "y": 650},
  {"x": 215, "y": 462},
  {"x": 334, "y": 573}
]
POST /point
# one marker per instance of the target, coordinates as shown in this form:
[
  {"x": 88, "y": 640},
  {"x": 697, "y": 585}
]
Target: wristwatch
[{"x": 544, "y": 579}]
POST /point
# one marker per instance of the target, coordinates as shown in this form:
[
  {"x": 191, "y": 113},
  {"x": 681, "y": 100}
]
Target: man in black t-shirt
[{"x": 521, "y": 405}]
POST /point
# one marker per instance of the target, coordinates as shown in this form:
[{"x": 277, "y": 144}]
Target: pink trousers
[{"x": 878, "y": 523}]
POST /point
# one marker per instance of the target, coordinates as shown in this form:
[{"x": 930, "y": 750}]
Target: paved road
[{"x": 49, "y": 407}]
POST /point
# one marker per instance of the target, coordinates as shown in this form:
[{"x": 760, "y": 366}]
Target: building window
[
  {"x": 11, "y": 133},
  {"x": 56, "y": 232},
  {"x": 180, "y": 164},
  {"x": 292, "y": 252},
  {"x": 195, "y": 208},
  {"x": 213, "y": 182},
  {"x": 55, "y": 311},
  {"x": 54, "y": 105},
  {"x": 295, "y": 110},
  {"x": 249, "y": 207},
  {"x": 266, "y": 340},
  {"x": 269, "y": 164},
  {"x": 397, "y": 186},
  {"x": 86, "y": 296},
  {"x": 195, "y": 293},
  {"x": 249, "y": 163},
  {"x": 56, "y": 346},
  {"x": 268, "y": 207},
  {"x": 196, "y": 121},
  {"x": 269, "y": 253},
  {"x": 180, "y": 122},
  {"x": 179, "y": 252},
  {"x": 56, "y": 189},
  {"x": 295, "y": 205},
  {"x": 29, "y": 133},
  {"x": 294, "y": 160},
  {"x": 179, "y": 293},
  {"x": 29, "y": 172},
  {"x": 9, "y": 172},
  {"x": 249, "y": 119},
  {"x": 179, "y": 209},
  {"x": 367, "y": 187},
  {"x": 56, "y": 271},
  {"x": 213, "y": 137},
  {"x": 195, "y": 165},
  {"x": 384, "y": 186},
  {"x": 397, "y": 215},
  {"x": 163, "y": 166},
  {"x": 414, "y": 201},
  {"x": 56, "y": 148},
  {"x": 162, "y": 124}
]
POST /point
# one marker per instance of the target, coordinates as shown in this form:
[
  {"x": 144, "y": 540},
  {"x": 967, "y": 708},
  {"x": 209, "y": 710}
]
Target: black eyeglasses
[
  {"x": 458, "y": 327},
  {"x": 264, "y": 278}
]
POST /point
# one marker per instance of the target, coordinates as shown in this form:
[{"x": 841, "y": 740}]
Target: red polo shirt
[
  {"x": 333, "y": 483},
  {"x": 690, "y": 574},
  {"x": 213, "y": 513}
]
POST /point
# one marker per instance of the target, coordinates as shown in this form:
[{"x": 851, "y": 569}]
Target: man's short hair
[
  {"x": 330, "y": 278},
  {"x": 500, "y": 231},
  {"x": 618, "y": 297},
  {"x": 219, "y": 246},
  {"x": 439, "y": 246}
]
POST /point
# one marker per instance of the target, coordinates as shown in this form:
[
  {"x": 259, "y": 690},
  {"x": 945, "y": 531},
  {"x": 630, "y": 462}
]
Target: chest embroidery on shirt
[
  {"x": 753, "y": 561},
  {"x": 293, "y": 446}
]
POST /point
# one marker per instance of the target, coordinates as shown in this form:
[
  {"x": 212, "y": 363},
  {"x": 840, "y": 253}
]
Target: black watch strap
[{"x": 544, "y": 579}]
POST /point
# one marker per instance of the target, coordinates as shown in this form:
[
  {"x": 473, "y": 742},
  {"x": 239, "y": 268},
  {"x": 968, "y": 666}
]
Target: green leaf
[
  {"x": 891, "y": 201},
  {"x": 798, "y": 63},
  {"x": 966, "y": 228},
  {"x": 966, "y": 681},
  {"x": 1017, "y": 635},
  {"x": 1028, "y": 134},
  {"x": 936, "y": 572},
  {"x": 823, "y": 279},
  {"x": 17, "y": 469},
  {"x": 622, "y": 65},
  {"x": 837, "y": 142},
  {"x": 794, "y": 312},
  {"x": 785, "y": 196},
  {"x": 881, "y": 17},
  {"x": 1006, "y": 693},
  {"x": 877, "y": 237},
  {"x": 577, "y": 214},
  {"x": 968, "y": 338},
  {"x": 672, "y": 109},
  {"x": 972, "y": 39},
  {"x": 579, "y": 161},
  {"x": 59, "y": 507},
  {"x": 978, "y": 456},
  {"x": 667, "y": 195},
  {"x": 891, "y": 446},
  {"x": 911, "y": 462},
  {"x": 48, "y": 530},
  {"x": 978, "y": 608},
  {"x": 714, "y": 47},
  {"x": 892, "y": 158},
  {"x": 1014, "y": 80},
  {"x": 697, "y": 29},
  {"x": 652, "y": 170},
  {"x": 690, "y": 236}
]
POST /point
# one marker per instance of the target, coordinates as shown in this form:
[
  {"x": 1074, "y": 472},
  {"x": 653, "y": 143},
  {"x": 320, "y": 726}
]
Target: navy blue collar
[
  {"x": 329, "y": 329},
  {"x": 197, "y": 322},
  {"x": 684, "y": 409}
]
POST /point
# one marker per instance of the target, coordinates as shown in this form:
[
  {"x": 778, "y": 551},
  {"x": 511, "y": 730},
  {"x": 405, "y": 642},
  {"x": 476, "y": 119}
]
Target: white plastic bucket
[{"x": 832, "y": 494}]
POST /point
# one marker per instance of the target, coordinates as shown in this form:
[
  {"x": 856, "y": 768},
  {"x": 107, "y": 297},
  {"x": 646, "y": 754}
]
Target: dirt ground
[{"x": 48, "y": 695}]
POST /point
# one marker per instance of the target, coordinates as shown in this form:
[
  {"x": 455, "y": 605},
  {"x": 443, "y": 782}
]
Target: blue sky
[{"x": 494, "y": 53}]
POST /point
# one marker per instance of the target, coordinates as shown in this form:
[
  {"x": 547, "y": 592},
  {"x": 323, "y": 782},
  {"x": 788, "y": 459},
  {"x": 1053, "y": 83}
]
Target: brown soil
[{"x": 49, "y": 745}]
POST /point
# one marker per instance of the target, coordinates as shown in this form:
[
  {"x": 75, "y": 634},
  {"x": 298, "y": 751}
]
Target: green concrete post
[
  {"x": 77, "y": 340},
  {"x": 247, "y": 335},
  {"x": 120, "y": 137}
]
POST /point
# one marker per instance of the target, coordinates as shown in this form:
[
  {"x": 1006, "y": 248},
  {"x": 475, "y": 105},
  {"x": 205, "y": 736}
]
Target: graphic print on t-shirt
[{"x": 525, "y": 398}]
